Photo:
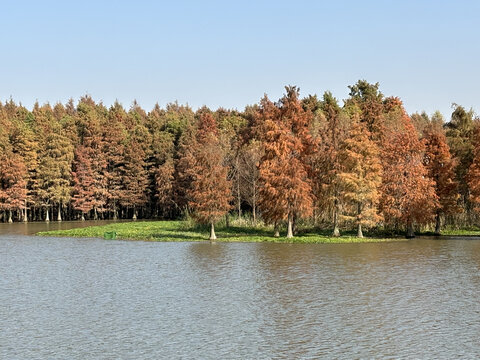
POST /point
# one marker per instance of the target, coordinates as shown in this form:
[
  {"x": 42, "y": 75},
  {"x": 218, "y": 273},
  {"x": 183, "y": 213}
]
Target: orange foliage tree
[
  {"x": 326, "y": 161},
  {"x": 361, "y": 176},
  {"x": 90, "y": 163},
  {"x": 408, "y": 196},
  {"x": 286, "y": 191},
  {"x": 13, "y": 191},
  {"x": 441, "y": 169},
  {"x": 210, "y": 191}
]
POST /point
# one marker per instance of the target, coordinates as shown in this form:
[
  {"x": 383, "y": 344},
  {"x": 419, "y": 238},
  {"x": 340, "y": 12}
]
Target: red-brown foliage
[
  {"x": 441, "y": 169},
  {"x": 210, "y": 191},
  {"x": 408, "y": 194},
  {"x": 286, "y": 190}
]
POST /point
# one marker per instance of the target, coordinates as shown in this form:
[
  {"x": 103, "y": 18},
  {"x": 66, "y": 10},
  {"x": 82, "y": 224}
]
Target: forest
[{"x": 292, "y": 163}]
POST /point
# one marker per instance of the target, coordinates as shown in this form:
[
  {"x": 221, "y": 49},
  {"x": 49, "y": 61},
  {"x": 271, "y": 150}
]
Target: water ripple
[{"x": 94, "y": 299}]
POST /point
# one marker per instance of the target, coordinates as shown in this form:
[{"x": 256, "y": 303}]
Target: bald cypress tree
[
  {"x": 460, "y": 134},
  {"x": 54, "y": 172},
  {"x": 90, "y": 165},
  {"x": 84, "y": 182},
  {"x": 114, "y": 139},
  {"x": 134, "y": 166},
  {"x": 286, "y": 189},
  {"x": 441, "y": 169},
  {"x": 13, "y": 192},
  {"x": 360, "y": 177},
  {"x": 407, "y": 193},
  {"x": 210, "y": 191},
  {"x": 184, "y": 162},
  {"x": 473, "y": 174},
  {"x": 367, "y": 98},
  {"x": 327, "y": 161}
]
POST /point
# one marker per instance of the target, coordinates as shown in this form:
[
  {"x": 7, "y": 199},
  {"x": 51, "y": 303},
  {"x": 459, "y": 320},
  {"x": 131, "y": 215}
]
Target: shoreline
[{"x": 182, "y": 231}]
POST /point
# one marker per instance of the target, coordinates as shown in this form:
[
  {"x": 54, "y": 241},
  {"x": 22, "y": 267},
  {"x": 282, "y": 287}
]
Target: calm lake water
[{"x": 97, "y": 299}]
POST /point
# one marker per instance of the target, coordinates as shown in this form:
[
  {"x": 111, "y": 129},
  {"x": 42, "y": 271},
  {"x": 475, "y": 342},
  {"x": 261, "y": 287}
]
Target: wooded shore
[{"x": 364, "y": 165}]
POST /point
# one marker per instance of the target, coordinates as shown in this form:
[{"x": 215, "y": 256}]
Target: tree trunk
[
  {"x": 359, "y": 232},
  {"x": 359, "y": 221},
  {"x": 213, "y": 237},
  {"x": 59, "y": 215},
  {"x": 47, "y": 216},
  {"x": 336, "y": 230},
  {"x": 410, "y": 231},
  {"x": 276, "y": 232},
  {"x": 114, "y": 212},
  {"x": 83, "y": 216},
  {"x": 25, "y": 214},
  {"x": 10, "y": 220},
  {"x": 294, "y": 224},
  {"x": 254, "y": 202},
  {"x": 239, "y": 200},
  {"x": 437, "y": 224},
  {"x": 134, "y": 217},
  {"x": 227, "y": 221},
  {"x": 290, "y": 227}
]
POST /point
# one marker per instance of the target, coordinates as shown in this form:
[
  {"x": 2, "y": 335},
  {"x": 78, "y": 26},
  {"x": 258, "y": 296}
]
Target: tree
[
  {"x": 164, "y": 178},
  {"x": 54, "y": 172},
  {"x": 184, "y": 162},
  {"x": 361, "y": 176},
  {"x": 248, "y": 161},
  {"x": 420, "y": 121},
  {"x": 210, "y": 190},
  {"x": 407, "y": 193},
  {"x": 440, "y": 166},
  {"x": 90, "y": 162},
  {"x": 24, "y": 143},
  {"x": 13, "y": 192},
  {"x": 459, "y": 132},
  {"x": 90, "y": 180},
  {"x": 286, "y": 190},
  {"x": 366, "y": 98},
  {"x": 134, "y": 176},
  {"x": 473, "y": 175},
  {"x": 230, "y": 125},
  {"x": 114, "y": 140},
  {"x": 160, "y": 162},
  {"x": 134, "y": 167},
  {"x": 327, "y": 164},
  {"x": 83, "y": 179}
]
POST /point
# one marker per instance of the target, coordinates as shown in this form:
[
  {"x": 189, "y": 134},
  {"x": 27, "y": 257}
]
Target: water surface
[{"x": 95, "y": 299}]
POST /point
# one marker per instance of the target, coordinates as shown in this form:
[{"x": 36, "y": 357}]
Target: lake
[{"x": 63, "y": 298}]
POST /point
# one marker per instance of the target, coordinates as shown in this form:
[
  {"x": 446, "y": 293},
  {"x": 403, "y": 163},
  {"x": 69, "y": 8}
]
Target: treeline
[{"x": 361, "y": 164}]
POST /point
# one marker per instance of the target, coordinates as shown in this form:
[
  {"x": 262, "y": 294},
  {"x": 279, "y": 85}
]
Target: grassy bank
[
  {"x": 472, "y": 231},
  {"x": 185, "y": 231}
]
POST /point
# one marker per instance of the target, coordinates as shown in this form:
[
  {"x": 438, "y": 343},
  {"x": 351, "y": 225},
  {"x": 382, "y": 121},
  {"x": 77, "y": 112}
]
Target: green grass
[
  {"x": 184, "y": 231},
  {"x": 470, "y": 231}
]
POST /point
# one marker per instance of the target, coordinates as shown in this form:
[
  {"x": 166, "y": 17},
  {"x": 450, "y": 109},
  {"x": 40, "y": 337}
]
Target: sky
[{"x": 230, "y": 53}]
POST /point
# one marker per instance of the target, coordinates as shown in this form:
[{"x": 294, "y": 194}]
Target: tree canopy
[{"x": 313, "y": 161}]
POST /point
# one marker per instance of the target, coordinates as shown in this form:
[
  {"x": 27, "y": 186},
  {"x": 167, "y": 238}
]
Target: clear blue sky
[{"x": 229, "y": 53}]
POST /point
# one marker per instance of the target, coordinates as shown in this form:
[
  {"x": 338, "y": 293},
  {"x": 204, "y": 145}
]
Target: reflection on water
[{"x": 95, "y": 299}]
